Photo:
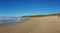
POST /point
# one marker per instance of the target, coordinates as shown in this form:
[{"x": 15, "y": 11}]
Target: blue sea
[{"x": 8, "y": 21}]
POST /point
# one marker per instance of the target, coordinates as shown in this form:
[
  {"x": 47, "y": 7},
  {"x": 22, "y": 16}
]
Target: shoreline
[
  {"x": 8, "y": 22},
  {"x": 50, "y": 24}
]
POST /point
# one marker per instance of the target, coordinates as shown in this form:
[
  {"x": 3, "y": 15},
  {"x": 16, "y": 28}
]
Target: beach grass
[{"x": 56, "y": 14}]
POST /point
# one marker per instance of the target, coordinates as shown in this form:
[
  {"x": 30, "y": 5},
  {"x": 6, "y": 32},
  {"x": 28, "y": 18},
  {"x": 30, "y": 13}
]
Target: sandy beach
[{"x": 49, "y": 24}]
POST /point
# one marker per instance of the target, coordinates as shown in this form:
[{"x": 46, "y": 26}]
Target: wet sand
[{"x": 49, "y": 24}]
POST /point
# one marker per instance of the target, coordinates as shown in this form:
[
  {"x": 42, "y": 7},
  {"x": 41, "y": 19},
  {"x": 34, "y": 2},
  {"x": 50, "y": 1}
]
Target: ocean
[{"x": 13, "y": 20}]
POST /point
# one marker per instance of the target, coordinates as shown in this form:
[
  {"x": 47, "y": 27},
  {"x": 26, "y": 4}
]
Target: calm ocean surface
[{"x": 9, "y": 21}]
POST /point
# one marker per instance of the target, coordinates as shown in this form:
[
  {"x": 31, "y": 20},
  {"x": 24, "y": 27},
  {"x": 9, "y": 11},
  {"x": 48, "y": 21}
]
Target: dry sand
[{"x": 50, "y": 24}]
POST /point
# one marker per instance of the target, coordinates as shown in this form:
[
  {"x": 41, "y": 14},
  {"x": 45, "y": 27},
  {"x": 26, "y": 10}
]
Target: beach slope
[{"x": 49, "y": 24}]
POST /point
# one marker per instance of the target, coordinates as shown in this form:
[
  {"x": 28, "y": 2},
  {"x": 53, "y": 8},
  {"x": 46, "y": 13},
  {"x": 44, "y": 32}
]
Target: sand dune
[{"x": 49, "y": 24}]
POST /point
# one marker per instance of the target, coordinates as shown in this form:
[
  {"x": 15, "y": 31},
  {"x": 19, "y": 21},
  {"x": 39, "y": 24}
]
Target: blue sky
[{"x": 16, "y": 8}]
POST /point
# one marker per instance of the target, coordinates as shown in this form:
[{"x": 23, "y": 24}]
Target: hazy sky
[{"x": 28, "y": 7}]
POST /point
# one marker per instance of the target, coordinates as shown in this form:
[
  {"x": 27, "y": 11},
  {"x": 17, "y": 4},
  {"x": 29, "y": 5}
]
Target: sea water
[{"x": 9, "y": 21}]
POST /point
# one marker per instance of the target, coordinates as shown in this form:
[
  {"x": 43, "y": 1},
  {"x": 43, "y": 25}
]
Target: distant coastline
[{"x": 56, "y": 14}]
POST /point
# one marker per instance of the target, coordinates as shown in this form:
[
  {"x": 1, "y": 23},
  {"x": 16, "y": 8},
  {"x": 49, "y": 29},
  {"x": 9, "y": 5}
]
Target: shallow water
[{"x": 9, "y": 21}]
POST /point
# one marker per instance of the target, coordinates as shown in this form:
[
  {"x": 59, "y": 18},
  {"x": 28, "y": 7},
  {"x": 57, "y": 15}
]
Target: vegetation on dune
[
  {"x": 35, "y": 16},
  {"x": 57, "y": 14}
]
